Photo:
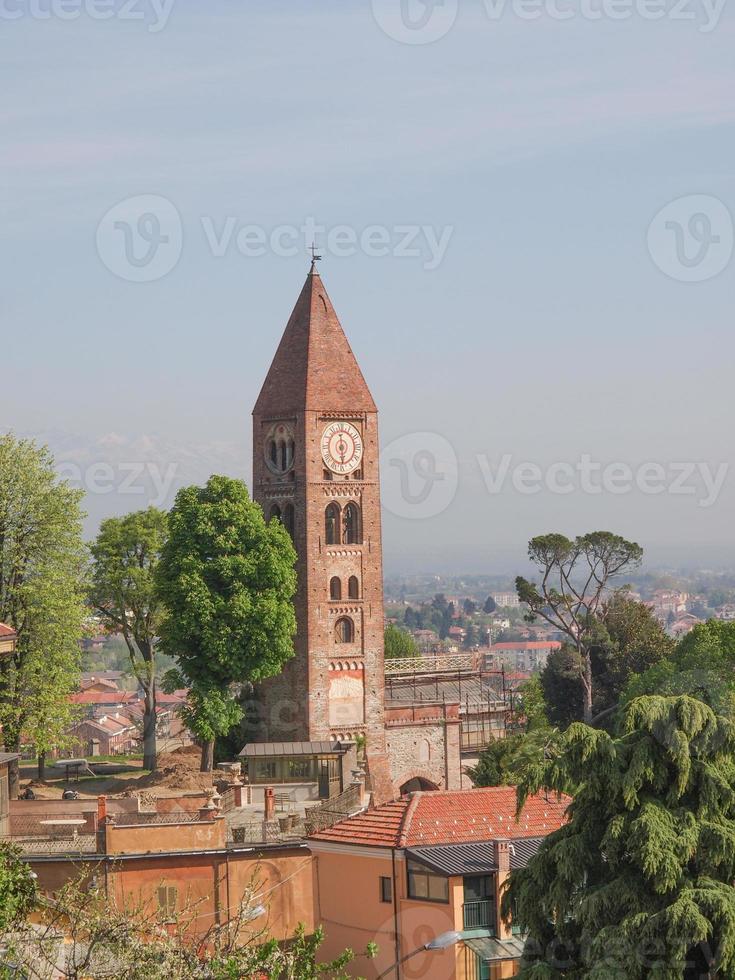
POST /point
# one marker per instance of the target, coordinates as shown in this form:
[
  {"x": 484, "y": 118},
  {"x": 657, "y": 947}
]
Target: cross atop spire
[{"x": 314, "y": 257}]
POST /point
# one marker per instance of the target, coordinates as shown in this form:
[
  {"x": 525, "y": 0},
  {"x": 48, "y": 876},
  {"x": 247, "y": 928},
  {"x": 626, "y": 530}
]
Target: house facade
[{"x": 425, "y": 865}]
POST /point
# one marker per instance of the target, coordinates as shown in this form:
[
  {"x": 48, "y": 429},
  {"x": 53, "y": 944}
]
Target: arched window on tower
[
  {"x": 353, "y": 587},
  {"x": 275, "y": 511},
  {"x": 335, "y": 588},
  {"x": 344, "y": 630},
  {"x": 273, "y": 452},
  {"x": 331, "y": 524},
  {"x": 353, "y": 531},
  {"x": 288, "y": 518}
]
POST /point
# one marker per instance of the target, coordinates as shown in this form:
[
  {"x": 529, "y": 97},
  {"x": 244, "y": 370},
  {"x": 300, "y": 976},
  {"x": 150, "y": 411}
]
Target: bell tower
[{"x": 315, "y": 467}]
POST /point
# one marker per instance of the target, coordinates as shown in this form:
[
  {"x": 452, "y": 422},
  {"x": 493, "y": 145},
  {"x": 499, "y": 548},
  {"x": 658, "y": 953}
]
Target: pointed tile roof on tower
[{"x": 314, "y": 367}]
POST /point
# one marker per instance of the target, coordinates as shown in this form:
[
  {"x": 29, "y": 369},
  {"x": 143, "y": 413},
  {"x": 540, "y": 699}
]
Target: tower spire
[{"x": 314, "y": 367}]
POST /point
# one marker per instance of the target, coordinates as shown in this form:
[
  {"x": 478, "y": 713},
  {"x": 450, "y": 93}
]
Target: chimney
[{"x": 502, "y": 854}]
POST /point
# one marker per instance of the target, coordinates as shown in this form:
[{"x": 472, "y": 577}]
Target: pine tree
[{"x": 638, "y": 883}]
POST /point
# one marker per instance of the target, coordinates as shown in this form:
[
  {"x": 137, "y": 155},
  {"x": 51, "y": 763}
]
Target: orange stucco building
[{"x": 410, "y": 871}]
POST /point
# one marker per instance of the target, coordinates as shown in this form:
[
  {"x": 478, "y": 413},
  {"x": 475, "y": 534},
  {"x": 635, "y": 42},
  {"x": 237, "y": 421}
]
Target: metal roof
[
  {"x": 463, "y": 688},
  {"x": 472, "y": 859},
  {"x": 492, "y": 950},
  {"x": 272, "y": 749}
]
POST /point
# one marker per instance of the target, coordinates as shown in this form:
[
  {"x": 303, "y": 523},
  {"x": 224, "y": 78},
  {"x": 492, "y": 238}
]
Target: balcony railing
[{"x": 479, "y": 915}]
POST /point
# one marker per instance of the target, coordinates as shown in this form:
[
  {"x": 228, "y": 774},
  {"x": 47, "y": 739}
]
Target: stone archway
[{"x": 415, "y": 783}]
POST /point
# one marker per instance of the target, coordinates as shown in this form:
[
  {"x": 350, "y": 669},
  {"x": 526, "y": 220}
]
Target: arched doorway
[{"x": 417, "y": 784}]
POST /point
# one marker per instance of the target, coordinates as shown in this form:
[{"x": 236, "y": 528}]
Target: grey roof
[
  {"x": 490, "y": 950},
  {"x": 475, "y": 858},
  {"x": 272, "y": 749},
  {"x": 6, "y": 757},
  {"x": 463, "y": 689}
]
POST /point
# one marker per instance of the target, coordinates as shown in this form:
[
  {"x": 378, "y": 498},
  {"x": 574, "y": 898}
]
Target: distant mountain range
[{"x": 123, "y": 472}]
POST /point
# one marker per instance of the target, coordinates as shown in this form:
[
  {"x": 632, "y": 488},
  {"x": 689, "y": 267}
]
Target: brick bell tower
[{"x": 315, "y": 466}]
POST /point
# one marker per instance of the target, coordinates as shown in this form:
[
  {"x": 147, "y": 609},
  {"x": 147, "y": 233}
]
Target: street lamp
[{"x": 443, "y": 941}]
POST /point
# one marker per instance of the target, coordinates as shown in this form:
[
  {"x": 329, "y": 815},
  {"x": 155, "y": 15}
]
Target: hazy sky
[{"x": 522, "y": 159}]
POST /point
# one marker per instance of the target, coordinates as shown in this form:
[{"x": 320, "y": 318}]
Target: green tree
[
  {"x": 18, "y": 891},
  {"x": 629, "y": 641},
  {"x": 490, "y": 605},
  {"x": 398, "y": 643},
  {"x": 562, "y": 686},
  {"x": 227, "y": 580},
  {"x": 625, "y": 640},
  {"x": 702, "y": 664},
  {"x": 126, "y": 554},
  {"x": 469, "y": 607},
  {"x": 575, "y": 579},
  {"x": 532, "y": 704},
  {"x": 41, "y": 597},
  {"x": 471, "y": 636},
  {"x": 639, "y": 881},
  {"x": 505, "y": 761}
]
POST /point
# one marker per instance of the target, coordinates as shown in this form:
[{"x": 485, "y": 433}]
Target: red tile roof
[
  {"x": 527, "y": 645},
  {"x": 449, "y": 817},
  {"x": 6, "y": 630},
  {"x": 122, "y": 697}
]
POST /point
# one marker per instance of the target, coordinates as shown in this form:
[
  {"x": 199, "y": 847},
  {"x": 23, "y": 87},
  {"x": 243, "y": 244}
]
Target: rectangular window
[
  {"x": 265, "y": 769},
  {"x": 386, "y": 890},
  {"x": 302, "y": 770},
  {"x": 425, "y": 884},
  {"x": 479, "y": 902},
  {"x": 167, "y": 899}
]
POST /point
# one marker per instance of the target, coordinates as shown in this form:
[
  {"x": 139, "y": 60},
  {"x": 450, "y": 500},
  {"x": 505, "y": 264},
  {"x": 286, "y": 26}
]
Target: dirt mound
[
  {"x": 177, "y": 777},
  {"x": 189, "y": 755},
  {"x": 178, "y": 770}
]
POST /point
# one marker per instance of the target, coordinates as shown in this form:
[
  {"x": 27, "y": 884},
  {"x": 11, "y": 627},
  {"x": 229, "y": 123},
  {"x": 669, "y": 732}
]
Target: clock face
[{"x": 341, "y": 447}]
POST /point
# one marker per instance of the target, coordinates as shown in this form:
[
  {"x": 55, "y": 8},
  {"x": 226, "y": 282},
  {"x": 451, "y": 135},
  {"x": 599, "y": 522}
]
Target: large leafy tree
[
  {"x": 639, "y": 882},
  {"x": 227, "y": 580},
  {"x": 627, "y": 639},
  {"x": 703, "y": 664},
  {"x": 125, "y": 556},
  {"x": 576, "y": 577},
  {"x": 42, "y": 560}
]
